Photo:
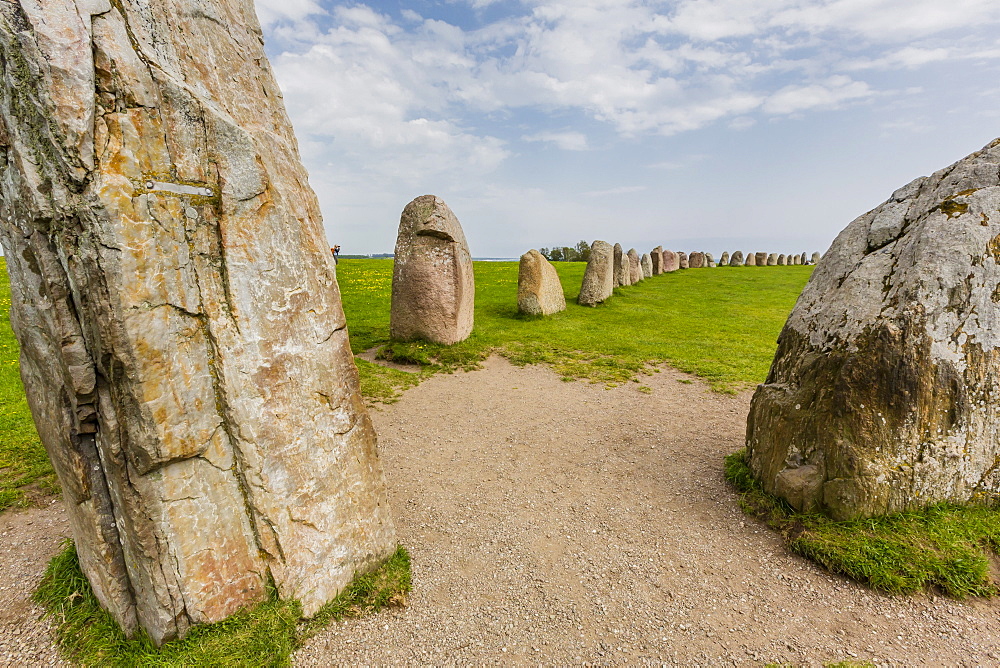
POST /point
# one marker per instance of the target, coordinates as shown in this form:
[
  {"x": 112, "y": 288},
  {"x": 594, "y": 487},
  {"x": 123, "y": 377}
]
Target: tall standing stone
[
  {"x": 599, "y": 277},
  {"x": 671, "y": 261},
  {"x": 682, "y": 260},
  {"x": 883, "y": 395},
  {"x": 656, "y": 257},
  {"x": 635, "y": 266},
  {"x": 736, "y": 259},
  {"x": 622, "y": 271},
  {"x": 647, "y": 265},
  {"x": 433, "y": 288},
  {"x": 183, "y": 347},
  {"x": 539, "y": 291},
  {"x": 724, "y": 260}
]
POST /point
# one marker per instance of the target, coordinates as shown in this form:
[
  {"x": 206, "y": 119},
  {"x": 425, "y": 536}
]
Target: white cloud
[
  {"x": 622, "y": 190},
  {"x": 270, "y": 12},
  {"x": 567, "y": 141},
  {"x": 828, "y": 94}
]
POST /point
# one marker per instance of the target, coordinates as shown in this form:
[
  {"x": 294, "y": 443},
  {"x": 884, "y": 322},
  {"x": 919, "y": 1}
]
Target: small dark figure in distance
[{"x": 336, "y": 253}]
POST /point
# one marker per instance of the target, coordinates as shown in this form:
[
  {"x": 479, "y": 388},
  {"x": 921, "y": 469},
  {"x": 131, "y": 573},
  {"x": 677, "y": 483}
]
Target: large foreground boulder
[
  {"x": 599, "y": 277},
  {"x": 183, "y": 347},
  {"x": 539, "y": 291},
  {"x": 433, "y": 289},
  {"x": 883, "y": 395}
]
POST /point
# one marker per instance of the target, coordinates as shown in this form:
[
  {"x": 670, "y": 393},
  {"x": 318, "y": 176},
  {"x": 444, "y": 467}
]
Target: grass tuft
[
  {"x": 945, "y": 547},
  {"x": 264, "y": 635}
]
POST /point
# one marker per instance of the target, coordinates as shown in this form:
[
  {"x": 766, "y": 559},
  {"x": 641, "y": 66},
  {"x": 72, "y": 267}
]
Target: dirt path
[{"x": 554, "y": 522}]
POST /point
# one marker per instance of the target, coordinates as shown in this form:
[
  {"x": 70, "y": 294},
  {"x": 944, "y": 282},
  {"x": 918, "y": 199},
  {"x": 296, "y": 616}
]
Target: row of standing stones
[
  {"x": 884, "y": 392},
  {"x": 185, "y": 356}
]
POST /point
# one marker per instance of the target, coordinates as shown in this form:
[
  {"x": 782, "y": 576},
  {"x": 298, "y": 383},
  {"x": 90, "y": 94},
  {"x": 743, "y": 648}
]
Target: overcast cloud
[{"x": 691, "y": 123}]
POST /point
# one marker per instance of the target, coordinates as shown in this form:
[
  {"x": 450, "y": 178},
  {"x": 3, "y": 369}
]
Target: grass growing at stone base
[
  {"x": 264, "y": 635},
  {"x": 720, "y": 324},
  {"x": 25, "y": 470},
  {"x": 946, "y": 547}
]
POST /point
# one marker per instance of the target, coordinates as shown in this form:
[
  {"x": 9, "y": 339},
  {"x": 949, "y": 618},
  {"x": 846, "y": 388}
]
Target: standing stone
[
  {"x": 781, "y": 260},
  {"x": 884, "y": 394},
  {"x": 656, "y": 257},
  {"x": 724, "y": 260},
  {"x": 539, "y": 291},
  {"x": 635, "y": 266},
  {"x": 696, "y": 260},
  {"x": 760, "y": 259},
  {"x": 751, "y": 260},
  {"x": 709, "y": 260},
  {"x": 796, "y": 260},
  {"x": 622, "y": 271},
  {"x": 433, "y": 289},
  {"x": 736, "y": 259},
  {"x": 671, "y": 261},
  {"x": 183, "y": 347},
  {"x": 816, "y": 257},
  {"x": 682, "y": 260},
  {"x": 647, "y": 265},
  {"x": 772, "y": 259},
  {"x": 599, "y": 277}
]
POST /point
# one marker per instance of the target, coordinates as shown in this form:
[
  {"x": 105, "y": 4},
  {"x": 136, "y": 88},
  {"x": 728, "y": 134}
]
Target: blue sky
[{"x": 696, "y": 124}]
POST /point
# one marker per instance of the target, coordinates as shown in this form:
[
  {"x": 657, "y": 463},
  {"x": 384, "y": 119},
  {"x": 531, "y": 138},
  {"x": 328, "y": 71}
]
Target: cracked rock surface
[
  {"x": 884, "y": 393},
  {"x": 183, "y": 347}
]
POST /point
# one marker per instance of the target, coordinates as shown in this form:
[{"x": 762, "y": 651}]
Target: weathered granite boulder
[
  {"x": 696, "y": 260},
  {"x": 736, "y": 259},
  {"x": 656, "y": 257},
  {"x": 751, "y": 260},
  {"x": 635, "y": 266},
  {"x": 772, "y": 259},
  {"x": 599, "y": 277},
  {"x": 781, "y": 260},
  {"x": 682, "y": 261},
  {"x": 183, "y": 347},
  {"x": 647, "y": 265},
  {"x": 709, "y": 260},
  {"x": 883, "y": 395},
  {"x": 796, "y": 259},
  {"x": 539, "y": 291},
  {"x": 622, "y": 271},
  {"x": 671, "y": 261},
  {"x": 760, "y": 259},
  {"x": 724, "y": 260},
  {"x": 433, "y": 289},
  {"x": 816, "y": 257}
]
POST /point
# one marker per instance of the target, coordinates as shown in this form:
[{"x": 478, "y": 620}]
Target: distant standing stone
[
  {"x": 621, "y": 267},
  {"x": 433, "y": 288},
  {"x": 751, "y": 260},
  {"x": 682, "y": 260},
  {"x": 816, "y": 257},
  {"x": 760, "y": 259},
  {"x": 635, "y": 266},
  {"x": 709, "y": 260},
  {"x": 599, "y": 277},
  {"x": 671, "y": 261},
  {"x": 724, "y": 260},
  {"x": 736, "y": 260},
  {"x": 656, "y": 256},
  {"x": 539, "y": 291},
  {"x": 696, "y": 260},
  {"x": 647, "y": 265},
  {"x": 772, "y": 259},
  {"x": 781, "y": 260}
]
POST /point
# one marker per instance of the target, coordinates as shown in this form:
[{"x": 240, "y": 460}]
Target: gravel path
[{"x": 554, "y": 522}]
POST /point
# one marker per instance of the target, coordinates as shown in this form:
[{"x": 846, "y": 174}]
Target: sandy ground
[{"x": 557, "y": 523}]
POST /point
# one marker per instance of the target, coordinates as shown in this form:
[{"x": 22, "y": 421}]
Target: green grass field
[{"x": 720, "y": 324}]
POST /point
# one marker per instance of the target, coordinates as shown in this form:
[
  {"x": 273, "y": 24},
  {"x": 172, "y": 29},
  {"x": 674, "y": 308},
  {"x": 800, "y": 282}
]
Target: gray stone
[
  {"x": 781, "y": 260},
  {"x": 724, "y": 260},
  {"x": 816, "y": 257},
  {"x": 772, "y": 259},
  {"x": 709, "y": 260},
  {"x": 696, "y": 260},
  {"x": 539, "y": 291},
  {"x": 671, "y": 261},
  {"x": 682, "y": 261},
  {"x": 656, "y": 256},
  {"x": 647, "y": 265},
  {"x": 883, "y": 395},
  {"x": 736, "y": 259},
  {"x": 599, "y": 277},
  {"x": 760, "y": 259},
  {"x": 635, "y": 266},
  {"x": 433, "y": 288},
  {"x": 622, "y": 270},
  {"x": 183, "y": 347},
  {"x": 751, "y": 260}
]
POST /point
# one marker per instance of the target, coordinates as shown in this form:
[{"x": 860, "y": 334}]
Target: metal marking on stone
[{"x": 178, "y": 188}]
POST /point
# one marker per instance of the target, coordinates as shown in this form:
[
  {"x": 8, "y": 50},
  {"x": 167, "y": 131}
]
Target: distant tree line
[{"x": 578, "y": 253}]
